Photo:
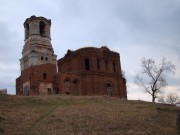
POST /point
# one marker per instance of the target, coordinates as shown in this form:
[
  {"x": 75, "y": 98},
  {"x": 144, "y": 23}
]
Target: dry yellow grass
[{"x": 76, "y": 115}]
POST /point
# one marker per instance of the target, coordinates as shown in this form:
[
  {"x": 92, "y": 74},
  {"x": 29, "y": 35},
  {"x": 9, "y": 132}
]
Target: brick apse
[{"x": 86, "y": 71}]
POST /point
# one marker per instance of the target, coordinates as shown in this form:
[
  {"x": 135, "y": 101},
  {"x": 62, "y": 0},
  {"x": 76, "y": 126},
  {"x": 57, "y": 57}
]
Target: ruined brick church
[{"x": 86, "y": 71}]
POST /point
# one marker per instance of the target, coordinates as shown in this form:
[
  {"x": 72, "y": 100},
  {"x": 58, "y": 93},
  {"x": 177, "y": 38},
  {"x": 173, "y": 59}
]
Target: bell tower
[
  {"x": 37, "y": 48},
  {"x": 38, "y": 62}
]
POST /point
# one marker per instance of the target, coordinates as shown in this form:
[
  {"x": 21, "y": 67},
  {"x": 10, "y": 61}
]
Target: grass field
[{"x": 84, "y": 115}]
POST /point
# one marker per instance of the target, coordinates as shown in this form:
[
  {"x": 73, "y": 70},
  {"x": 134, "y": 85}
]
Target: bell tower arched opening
[
  {"x": 27, "y": 31},
  {"x": 42, "y": 26}
]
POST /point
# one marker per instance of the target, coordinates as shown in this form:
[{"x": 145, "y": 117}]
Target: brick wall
[
  {"x": 36, "y": 76},
  {"x": 94, "y": 80}
]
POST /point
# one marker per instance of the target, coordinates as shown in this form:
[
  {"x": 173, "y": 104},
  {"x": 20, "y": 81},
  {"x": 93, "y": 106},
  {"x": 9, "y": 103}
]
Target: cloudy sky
[{"x": 134, "y": 28}]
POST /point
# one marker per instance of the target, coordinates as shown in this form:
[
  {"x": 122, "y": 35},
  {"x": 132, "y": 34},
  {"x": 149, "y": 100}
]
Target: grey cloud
[
  {"x": 9, "y": 45},
  {"x": 150, "y": 20}
]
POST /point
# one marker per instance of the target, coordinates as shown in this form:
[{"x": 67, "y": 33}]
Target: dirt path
[{"x": 40, "y": 119}]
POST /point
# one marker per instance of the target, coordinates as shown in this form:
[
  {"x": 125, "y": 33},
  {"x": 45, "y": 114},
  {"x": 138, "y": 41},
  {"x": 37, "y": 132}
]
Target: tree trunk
[{"x": 153, "y": 99}]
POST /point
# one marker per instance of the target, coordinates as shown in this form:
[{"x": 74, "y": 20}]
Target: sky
[{"x": 133, "y": 28}]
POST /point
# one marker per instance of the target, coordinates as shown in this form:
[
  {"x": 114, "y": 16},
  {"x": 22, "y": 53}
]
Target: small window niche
[
  {"x": 46, "y": 58},
  {"x": 42, "y": 58}
]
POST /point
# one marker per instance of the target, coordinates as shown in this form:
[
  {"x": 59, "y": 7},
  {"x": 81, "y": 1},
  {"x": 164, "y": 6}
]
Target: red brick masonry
[{"x": 86, "y": 71}]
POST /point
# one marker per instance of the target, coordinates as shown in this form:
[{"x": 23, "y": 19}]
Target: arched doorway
[
  {"x": 26, "y": 91},
  {"x": 76, "y": 87},
  {"x": 67, "y": 86},
  {"x": 109, "y": 89}
]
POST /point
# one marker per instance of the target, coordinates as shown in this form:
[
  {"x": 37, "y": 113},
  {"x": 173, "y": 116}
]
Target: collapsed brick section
[{"x": 86, "y": 71}]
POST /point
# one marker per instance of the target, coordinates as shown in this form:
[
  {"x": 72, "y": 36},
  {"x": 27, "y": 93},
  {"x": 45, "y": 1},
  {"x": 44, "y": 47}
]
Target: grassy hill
[{"x": 77, "y": 115}]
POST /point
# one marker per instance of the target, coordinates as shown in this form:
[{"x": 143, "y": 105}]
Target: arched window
[
  {"x": 67, "y": 85},
  {"x": 98, "y": 64},
  {"x": 42, "y": 58},
  {"x": 27, "y": 31},
  {"x": 109, "y": 89},
  {"x": 42, "y": 28},
  {"x": 106, "y": 65},
  {"x": 114, "y": 66},
  {"x": 87, "y": 65},
  {"x": 46, "y": 58},
  {"x": 44, "y": 76}
]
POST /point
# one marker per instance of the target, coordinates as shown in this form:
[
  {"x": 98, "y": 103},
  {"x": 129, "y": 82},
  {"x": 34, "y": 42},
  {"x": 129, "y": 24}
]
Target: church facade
[{"x": 86, "y": 71}]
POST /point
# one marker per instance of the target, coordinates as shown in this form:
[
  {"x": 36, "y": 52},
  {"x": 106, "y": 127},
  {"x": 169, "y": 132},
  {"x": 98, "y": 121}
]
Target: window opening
[
  {"x": 67, "y": 87},
  {"x": 98, "y": 65},
  {"x": 87, "y": 64},
  {"x": 76, "y": 87},
  {"x": 106, "y": 65},
  {"x": 44, "y": 76},
  {"x": 27, "y": 31},
  {"x": 109, "y": 89},
  {"x": 114, "y": 66},
  {"x": 42, "y": 28}
]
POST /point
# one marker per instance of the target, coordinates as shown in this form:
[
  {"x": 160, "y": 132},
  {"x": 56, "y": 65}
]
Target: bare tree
[
  {"x": 161, "y": 99},
  {"x": 153, "y": 77},
  {"x": 172, "y": 98}
]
